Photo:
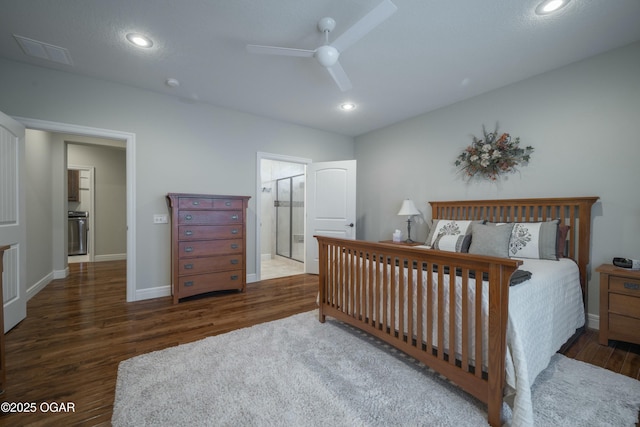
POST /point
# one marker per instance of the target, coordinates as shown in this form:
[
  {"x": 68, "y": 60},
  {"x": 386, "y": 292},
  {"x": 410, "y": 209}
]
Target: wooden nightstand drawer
[
  {"x": 623, "y": 327},
  {"x": 624, "y": 285},
  {"x": 625, "y": 305}
]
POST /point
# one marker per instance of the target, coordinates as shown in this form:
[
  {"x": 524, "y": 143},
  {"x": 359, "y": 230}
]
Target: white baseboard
[
  {"x": 39, "y": 285},
  {"x": 165, "y": 291},
  {"x": 593, "y": 321},
  {"x": 61, "y": 274},
  {"x": 265, "y": 257},
  {"x": 149, "y": 293},
  {"x": 110, "y": 257}
]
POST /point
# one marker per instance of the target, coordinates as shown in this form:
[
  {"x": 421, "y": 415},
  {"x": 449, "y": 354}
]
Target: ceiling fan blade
[
  {"x": 340, "y": 77},
  {"x": 285, "y": 51},
  {"x": 367, "y": 23}
]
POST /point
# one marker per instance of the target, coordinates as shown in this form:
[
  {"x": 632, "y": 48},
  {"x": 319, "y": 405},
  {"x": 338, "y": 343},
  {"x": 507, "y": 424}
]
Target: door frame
[
  {"x": 130, "y": 141},
  {"x": 278, "y": 157}
]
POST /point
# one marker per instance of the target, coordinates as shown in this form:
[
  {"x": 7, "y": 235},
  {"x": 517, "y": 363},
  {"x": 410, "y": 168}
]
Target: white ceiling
[{"x": 427, "y": 55}]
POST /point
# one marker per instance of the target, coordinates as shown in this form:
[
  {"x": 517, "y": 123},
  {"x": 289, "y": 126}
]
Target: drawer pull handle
[
  {"x": 234, "y": 246},
  {"x": 234, "y": 277},
  {"x": 234, "y": 217},
  {"x": 189, "y": 283},
  {"x": 188, "y": 217},
  {"x": 188, "y": 233},
  {"x": 633, "y": 286},
  {"x": 188, "y": 249},
  {"x": 234, "y": 231},
  {"x": 196, "y": 203},
  {"x": 227, "y": 203},
  {"x": 188, "y": 266},
  {"x": 234, "y": 261}
]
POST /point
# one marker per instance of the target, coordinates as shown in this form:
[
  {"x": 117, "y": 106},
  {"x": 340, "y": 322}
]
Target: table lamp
[{"x": 409, "y": 209}]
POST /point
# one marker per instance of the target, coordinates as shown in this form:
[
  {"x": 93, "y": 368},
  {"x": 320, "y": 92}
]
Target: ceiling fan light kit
[{"x": 328, "y": 54}]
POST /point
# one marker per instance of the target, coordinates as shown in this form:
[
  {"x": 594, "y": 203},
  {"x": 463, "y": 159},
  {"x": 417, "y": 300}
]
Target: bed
[{"x": 491, "y": 339}]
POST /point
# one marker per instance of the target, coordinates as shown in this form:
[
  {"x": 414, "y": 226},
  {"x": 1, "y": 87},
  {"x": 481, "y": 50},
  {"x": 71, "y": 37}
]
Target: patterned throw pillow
[
  {"x": 452, "y": 243},
  {"x": 538, "y": 240},
  {"x": 446, "y": 227}
]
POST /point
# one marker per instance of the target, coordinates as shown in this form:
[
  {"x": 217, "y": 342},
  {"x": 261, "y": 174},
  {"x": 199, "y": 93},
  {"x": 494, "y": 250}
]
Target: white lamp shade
[{"x": 408, "y": 208}]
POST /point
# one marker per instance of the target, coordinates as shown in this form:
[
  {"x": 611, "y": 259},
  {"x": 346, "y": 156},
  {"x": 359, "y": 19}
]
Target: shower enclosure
[{"x": 289, "y": 206}]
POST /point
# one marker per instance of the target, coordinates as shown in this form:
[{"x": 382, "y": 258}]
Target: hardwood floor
[{"x": 78, "y": 330}]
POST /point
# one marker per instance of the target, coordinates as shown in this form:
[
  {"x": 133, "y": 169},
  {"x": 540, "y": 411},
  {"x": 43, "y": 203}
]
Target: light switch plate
[{"x": 160, "y": 219}]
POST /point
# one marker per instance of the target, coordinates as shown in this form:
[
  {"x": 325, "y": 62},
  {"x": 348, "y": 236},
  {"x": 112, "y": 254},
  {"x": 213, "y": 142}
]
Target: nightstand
[
  {"x": 402, "y": 243},
  {"x": 619, "y": 304}
]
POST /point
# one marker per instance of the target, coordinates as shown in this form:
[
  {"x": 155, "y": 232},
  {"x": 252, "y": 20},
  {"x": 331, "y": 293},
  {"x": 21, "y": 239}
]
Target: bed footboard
[{"x": 401, "y": 295}]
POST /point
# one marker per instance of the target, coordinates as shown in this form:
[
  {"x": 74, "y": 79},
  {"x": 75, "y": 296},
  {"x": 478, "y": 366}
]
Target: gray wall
[
  {"x": 39, "y": 212},
  {"x": 583, "y": 121},
  {"x": 180, "y": 147}
]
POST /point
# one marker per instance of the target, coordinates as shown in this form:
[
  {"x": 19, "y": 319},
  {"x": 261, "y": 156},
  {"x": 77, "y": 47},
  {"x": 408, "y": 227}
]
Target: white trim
[
  {"x": 130, "y": 139},
  {"x": 259, "y": 157},
  {"x": 252, "y": 278},
  {"x": 149, "y": 293},
  {"x": 61, "y": 274},
  {"x": 110, "y": 257},
  {"x": 39, "y": 285},
  {"x": 593, "y": 321}
]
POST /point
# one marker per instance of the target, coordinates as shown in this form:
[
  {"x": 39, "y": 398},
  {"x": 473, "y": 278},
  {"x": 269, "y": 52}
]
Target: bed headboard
[{"x": 572, "y": 211}]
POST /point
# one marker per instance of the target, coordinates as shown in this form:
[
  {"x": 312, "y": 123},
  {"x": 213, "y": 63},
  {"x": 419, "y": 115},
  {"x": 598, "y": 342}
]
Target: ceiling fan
[{"x": 327, "y": 55}]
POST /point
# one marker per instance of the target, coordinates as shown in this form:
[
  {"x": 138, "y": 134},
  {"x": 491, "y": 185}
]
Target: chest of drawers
[
  {"x": 619, "y": 304},
  {"x": 208, "y": 243}
]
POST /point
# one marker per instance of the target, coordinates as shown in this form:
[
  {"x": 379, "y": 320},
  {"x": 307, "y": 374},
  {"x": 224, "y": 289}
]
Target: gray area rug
[{"x": 299, "y": 372}]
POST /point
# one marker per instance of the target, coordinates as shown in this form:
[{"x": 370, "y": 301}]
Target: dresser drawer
[
  {"x": 194, "y": 203},
  {"x": 209, "y": 217},
  {"x": 208, "y": 203},
  {"x": 209, "y": 248},
  {"x": 209, "y": 264},
  {"x": 227, "y": 204},
  {"x": 200, "y": 283},
  {"x": 624, "y": 285},
  {"x": 202, "y": 232}
]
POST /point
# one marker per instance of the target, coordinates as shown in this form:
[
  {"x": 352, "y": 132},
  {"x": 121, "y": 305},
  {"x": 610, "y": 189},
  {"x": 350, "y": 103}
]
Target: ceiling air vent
[{"x": 44, "y": 50}]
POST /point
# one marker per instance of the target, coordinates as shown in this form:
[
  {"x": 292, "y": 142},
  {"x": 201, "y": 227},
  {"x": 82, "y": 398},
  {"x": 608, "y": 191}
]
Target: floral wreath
[{"x": 493, "y": 155}]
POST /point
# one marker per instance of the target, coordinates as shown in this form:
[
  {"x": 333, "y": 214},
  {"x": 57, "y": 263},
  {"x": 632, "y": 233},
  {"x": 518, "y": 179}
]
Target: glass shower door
[{"x": 289, "y": 206}]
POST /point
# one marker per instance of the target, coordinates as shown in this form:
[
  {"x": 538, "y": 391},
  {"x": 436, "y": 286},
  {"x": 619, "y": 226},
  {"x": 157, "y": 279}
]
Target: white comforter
[{"x": 543, "y": 313}]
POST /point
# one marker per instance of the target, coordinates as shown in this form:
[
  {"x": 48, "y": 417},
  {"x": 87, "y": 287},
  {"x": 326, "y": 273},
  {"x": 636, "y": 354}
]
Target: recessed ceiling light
[
  {"x": 348, "y": 106},
  {"x": 171, "y": 82},
  {"x": 550, "y": 6},
  {"x": 139, "y": 40}
]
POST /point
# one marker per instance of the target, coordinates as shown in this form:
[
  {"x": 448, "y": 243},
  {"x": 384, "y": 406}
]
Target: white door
[
  {"x": 331, "y": 205},
  {"x": 12, "y": 220}
]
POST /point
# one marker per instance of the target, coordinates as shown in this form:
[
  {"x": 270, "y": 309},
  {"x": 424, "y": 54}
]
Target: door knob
[{"x": 350, "y": 225}]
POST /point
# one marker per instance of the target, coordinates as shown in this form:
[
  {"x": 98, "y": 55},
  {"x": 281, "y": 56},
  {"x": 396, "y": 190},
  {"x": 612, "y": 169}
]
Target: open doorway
[
  {"x": 281, "y": 216},
  {"x": 60, "y": 212}
]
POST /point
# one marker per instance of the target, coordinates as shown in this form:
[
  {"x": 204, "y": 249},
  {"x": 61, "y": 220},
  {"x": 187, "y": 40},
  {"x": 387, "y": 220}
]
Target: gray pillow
[{"x": 490, "y": 240}]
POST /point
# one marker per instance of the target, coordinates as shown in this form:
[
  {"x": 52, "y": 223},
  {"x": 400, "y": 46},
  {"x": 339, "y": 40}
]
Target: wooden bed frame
[{"x": 350, "y": 291}]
